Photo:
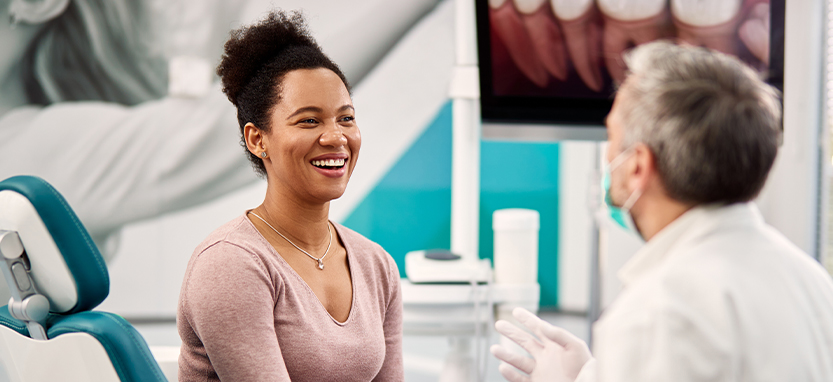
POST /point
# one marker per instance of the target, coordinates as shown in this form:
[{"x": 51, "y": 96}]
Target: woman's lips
[{"x": 330, "y": 167}]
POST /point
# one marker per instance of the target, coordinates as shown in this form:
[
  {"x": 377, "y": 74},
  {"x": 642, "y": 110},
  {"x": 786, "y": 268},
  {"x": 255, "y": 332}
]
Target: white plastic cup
[{"x": 516, "y": 245}]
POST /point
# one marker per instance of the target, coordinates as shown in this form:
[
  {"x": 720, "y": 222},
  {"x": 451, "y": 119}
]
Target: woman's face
[{"x": 314, "y": 142}]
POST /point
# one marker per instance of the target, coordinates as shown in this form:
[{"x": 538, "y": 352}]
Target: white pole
[
  {"x": 465, "y": 170},
  {"x": 465, "y": 154}
]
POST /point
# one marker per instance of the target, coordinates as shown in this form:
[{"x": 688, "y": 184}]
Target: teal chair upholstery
[{"x": 56, "y": 276}]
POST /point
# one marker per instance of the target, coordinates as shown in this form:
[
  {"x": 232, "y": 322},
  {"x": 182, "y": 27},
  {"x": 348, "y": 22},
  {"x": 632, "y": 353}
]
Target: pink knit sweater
[{"x": 245, "y": 315}]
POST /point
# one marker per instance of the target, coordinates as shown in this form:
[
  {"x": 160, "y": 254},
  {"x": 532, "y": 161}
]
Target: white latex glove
[{"x": 557, "y": 355}]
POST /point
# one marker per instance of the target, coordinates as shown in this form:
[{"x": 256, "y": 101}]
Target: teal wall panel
[
  {"x": 523, "y": 175},
  {"x": 410, "y": 208}
]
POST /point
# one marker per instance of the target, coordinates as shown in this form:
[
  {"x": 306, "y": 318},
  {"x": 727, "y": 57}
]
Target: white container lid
[{"x": 515, "y": 219}]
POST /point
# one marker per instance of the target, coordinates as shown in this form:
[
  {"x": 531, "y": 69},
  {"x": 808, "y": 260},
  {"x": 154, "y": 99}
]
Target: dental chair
[{"x": 56, "y": 276}]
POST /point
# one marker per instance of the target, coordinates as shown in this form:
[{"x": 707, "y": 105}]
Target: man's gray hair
[{"x": 713, "y": 125}]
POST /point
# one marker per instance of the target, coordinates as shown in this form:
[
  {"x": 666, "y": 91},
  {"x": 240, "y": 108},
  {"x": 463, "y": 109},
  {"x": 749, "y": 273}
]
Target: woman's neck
[{"x": 304, "y": 223}]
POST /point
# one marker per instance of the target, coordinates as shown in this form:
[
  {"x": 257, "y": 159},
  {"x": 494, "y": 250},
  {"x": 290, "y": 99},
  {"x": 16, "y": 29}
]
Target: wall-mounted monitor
[{"x": 549, "y": 68}]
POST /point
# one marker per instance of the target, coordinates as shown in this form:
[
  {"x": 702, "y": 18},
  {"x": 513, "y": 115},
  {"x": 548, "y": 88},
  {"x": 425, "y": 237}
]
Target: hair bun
[
  {"x": 251, "y": 48},
  {"x": 255, "y": 61}
]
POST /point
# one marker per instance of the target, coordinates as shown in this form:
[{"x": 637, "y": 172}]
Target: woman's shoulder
[
  {"x": 233, "y": 249},
  {"x": 238, "y": 232},
  {"x": 224, "y": 267}
]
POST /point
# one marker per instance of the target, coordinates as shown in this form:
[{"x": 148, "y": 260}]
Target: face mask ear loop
[
  {"x": 616, "y": 162},
  {"x": 632, "y": 200}
]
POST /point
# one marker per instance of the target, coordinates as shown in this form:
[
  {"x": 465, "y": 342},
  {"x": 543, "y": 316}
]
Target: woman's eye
[
  {"x": 308, "y": 121},
  {"x": 348, "y": 119}
]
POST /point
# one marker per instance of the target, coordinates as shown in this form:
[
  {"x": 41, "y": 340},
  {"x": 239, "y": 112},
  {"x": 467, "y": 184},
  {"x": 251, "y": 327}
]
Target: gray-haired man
[{"x": 715, "y": 294}]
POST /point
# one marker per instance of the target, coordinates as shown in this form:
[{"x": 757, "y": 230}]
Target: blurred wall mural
[{"x": 115, "y": 102}]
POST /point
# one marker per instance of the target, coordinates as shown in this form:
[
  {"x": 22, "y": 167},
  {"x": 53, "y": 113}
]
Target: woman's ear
[
  {"x": 37, "y": 11},
  {"x": 254, "y": 139}
]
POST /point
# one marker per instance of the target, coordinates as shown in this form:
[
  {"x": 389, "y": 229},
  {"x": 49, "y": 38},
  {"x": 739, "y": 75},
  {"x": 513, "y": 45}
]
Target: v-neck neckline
[{"x": 350, "y": 266}]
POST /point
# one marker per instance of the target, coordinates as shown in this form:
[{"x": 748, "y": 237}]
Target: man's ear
[
  {"x": 37, "y": 11},
  {"x": 645, "y": 167}
]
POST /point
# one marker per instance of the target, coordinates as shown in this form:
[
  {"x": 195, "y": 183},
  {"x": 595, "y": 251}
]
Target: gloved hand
[{"x": 557, "y": 355}]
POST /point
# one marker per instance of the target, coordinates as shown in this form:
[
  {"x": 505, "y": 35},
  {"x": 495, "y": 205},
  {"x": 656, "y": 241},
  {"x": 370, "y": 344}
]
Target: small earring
[{"x": 263, "y": 154}]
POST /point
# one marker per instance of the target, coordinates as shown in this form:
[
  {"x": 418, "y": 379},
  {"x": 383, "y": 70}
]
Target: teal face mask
[{"x": 621, "y": 215}]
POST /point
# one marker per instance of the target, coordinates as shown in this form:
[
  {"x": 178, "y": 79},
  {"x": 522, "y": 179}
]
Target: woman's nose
[{"x": 333, "y": 136}]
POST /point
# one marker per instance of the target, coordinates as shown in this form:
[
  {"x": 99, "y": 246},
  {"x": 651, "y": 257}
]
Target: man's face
[{"x": 614, "y": 121}]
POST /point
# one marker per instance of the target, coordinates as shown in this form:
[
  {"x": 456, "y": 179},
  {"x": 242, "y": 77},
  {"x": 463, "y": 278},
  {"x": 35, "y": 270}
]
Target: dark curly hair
[{"x": 256, "y": 59}]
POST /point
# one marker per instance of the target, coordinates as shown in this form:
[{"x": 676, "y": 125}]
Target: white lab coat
[{"x": 717, "y": 295}]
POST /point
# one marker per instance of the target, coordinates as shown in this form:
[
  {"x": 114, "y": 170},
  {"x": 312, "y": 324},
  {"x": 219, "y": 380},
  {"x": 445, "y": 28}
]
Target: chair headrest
[{"x": 66, "y": 266}]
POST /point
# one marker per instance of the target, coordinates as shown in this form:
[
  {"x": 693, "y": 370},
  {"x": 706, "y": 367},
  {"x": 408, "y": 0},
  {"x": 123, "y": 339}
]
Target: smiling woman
[
  {"x": 310, "y": 131},
  {"x": 281, "y": 293}
]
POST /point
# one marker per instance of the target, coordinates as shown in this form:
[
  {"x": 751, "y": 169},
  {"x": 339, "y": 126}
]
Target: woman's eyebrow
[{"x": 314, "y": 109}]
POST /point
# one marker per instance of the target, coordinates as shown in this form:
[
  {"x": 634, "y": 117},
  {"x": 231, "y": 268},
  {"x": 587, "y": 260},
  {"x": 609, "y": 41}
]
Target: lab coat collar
[{"x": 686, "y": 229}]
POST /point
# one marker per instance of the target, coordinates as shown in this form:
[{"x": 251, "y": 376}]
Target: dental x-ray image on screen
[{"x": 559, "y": 61}]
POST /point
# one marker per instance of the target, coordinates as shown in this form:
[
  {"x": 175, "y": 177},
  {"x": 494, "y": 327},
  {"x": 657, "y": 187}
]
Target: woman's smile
[{"x": 331, "y": 165}]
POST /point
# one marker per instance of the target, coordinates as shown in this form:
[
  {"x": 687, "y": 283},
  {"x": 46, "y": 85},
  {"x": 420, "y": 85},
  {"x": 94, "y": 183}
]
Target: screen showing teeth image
[{"x": 573, "y": 48}]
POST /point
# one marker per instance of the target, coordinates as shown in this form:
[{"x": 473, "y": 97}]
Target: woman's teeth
[{"x": 328, "y": 163}]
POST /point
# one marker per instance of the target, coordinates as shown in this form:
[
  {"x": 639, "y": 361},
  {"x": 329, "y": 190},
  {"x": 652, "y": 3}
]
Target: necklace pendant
[{"x": 321, "y": 264}]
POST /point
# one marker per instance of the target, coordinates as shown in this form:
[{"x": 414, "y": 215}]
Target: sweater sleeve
[
  {"x": 392, "y": 368},
  {"x": 229, "y": 301}
]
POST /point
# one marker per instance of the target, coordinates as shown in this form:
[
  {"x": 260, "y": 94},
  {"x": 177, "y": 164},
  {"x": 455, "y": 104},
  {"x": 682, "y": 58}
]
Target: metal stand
[
  {"x": 458, "y": 365},
  {"x": 26, "y": 304}
]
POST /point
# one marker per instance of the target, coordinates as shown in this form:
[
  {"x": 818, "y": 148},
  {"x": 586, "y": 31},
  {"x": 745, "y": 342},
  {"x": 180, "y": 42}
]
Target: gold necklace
[{"x": 320, "y": 260}]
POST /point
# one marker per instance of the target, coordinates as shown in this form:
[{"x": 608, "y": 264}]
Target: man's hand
[{"x": 557, "y": 355}]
